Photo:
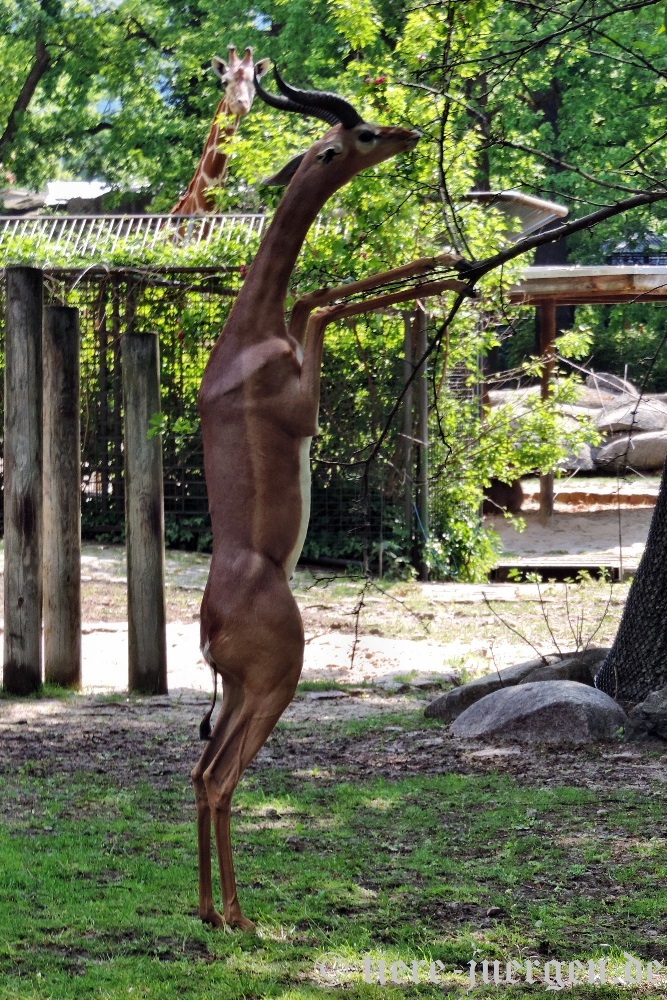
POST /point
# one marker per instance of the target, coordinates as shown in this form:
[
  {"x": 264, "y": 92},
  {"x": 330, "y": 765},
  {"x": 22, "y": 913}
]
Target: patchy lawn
[{"x": 365, "y": 841}]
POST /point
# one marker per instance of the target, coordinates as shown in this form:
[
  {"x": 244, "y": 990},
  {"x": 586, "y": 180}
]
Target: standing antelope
[{"x": 258, "y": 402}]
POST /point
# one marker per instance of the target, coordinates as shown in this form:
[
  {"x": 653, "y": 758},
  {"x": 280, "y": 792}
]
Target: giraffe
[{"x": 237, "y": 75}]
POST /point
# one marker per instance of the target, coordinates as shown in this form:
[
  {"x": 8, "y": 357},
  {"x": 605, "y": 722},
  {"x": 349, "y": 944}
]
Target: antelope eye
[{"x": 366, "y": 136}]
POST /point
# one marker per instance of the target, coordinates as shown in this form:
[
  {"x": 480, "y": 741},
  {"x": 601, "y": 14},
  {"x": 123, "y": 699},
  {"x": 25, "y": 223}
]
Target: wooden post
[
  {"x": 546, "y": 323},
  {"x": 144, "y": 517},
  {"x": 62, "y": 497},
  {"x": 422, "y": 407},
  {"x": 408, "y": 431},
  {"x": 22, "y": 672}
]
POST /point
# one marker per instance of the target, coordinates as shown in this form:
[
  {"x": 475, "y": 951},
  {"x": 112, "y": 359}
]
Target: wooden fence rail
[
  {"x": 42, "y": 482},
  {"x": 22, "y": 672}
]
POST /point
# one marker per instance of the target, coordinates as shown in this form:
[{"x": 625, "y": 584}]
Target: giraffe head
[{"x": 238, "y": 78}]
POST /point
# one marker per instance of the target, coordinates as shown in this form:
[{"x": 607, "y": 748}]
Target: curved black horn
[
  {"x": 317, "y": 103},
  {"x": 284, "y": 104},
  {"x": 322, "y": 100}
]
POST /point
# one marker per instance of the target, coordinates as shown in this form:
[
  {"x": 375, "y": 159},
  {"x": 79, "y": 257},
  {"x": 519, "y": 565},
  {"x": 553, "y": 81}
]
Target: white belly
[{"x": 304, "y": 490}]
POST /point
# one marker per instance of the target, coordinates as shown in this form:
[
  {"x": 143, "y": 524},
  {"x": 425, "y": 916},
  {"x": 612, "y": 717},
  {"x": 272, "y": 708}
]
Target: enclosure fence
[{"x": 355, "y": 510}]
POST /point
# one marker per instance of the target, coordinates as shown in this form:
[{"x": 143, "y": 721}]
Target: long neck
[
  {"x": 212, "y": 167},
  {"x": 265, "y": 288}
]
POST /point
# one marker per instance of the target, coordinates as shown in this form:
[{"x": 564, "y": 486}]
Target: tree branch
[{"x": 477, "y": 269}]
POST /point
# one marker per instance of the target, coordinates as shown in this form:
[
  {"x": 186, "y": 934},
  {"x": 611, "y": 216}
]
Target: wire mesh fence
[{"x": 357, "y": 513}]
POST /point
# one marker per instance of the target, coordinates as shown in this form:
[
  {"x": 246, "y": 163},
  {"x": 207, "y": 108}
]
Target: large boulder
[
  {"x": 583, "y": 461},
  {"x": 581, "y": 667},
  {"x": 516, "y": 398},
  {"x": 605, "y": 382},
  {"x": 543, "y": 712},
  {"x": 637, "y": 451},
  {"x": 634, "y": 415},
  {"x": 593, "y": 399},
  {"x": 648, "y": 720}
]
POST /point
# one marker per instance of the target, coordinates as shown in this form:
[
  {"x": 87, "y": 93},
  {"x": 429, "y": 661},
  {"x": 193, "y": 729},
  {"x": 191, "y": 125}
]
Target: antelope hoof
[
  {"x": 241, "y": 923},
  {"x": 211, "y": 917}
]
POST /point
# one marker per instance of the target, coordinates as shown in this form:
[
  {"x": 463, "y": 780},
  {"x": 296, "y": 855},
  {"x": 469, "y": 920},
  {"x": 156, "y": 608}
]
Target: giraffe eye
[{"x": 366, "y": 136}]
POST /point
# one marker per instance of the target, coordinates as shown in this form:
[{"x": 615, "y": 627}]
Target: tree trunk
[
  {"x": 637, "y": 662},
  {"x": 40, "y": 64}
]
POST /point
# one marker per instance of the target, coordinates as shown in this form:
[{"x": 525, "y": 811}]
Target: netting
[{"x": 354, "y": 511}]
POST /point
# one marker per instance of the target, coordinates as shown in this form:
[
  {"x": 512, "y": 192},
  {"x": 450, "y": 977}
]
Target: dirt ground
[
  {"x": 377, "y": 654},
  {"x": 381, "y": 651},
  {"x": 135, "y": 736},
  {"x": 156, "y": 738}
]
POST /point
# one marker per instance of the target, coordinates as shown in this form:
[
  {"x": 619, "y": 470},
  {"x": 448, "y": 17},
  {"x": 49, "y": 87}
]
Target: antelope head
[{"x": 350, "y": 146}]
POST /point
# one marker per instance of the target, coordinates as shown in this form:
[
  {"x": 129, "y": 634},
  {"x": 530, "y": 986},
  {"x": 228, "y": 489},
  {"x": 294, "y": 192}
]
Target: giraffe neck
[{"x": 212, "y": 167}]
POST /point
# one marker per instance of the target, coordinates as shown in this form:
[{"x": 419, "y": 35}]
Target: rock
[
  {"x": 548, "y": 712},
  {"x": 452, "y": 703},
  {"x": 500, "y": 497},
  {"x": 583, "y": 461},
  {"x": 516, "y": 398},
  {"x": 610, "y": 383},
  {"x": 593, "y": 399},
  {"x": 637, "y": 451},
  {"x": 648, "y": 720},
  {"x": 580, "y": 412},
  {"x": 637, "y": 416},
  {"x": 15, "y": 201},
  {"x": 580, "y": 667}
]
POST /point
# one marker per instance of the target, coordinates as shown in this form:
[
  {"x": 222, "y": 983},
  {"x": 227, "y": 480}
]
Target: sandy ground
[
  {"x": 595, "y": 533},
  {"x": 376, "y": 659}
]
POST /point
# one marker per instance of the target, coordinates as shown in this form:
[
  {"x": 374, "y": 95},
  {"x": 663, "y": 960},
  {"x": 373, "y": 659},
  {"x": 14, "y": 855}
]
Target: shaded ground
[
  {"x": 155, "y": 738},
  {"x": 390, "y": 651}
]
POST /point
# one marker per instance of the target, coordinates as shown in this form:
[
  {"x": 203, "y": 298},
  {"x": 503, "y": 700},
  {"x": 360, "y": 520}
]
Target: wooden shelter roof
[{"x": 581, "y": 285}]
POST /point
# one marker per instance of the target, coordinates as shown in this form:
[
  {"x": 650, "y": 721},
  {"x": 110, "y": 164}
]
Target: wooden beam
[
  {"x": 22, "y": 673},
  {"x": 546, "y": 320},
  {"x": 600, "y": 285},
  {"x": 422, "y": 432},
  {"x": 144, "y": 517},
  {"x": 62, "y": 497},
  {"x": 408, "y": 421}
]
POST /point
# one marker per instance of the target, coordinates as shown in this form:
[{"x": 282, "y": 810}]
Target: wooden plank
[
  {"x": 567, "y": 569},
  {"x": 546, "y": 319},
  {"x": 422, "y": 432},
  {"x": 62, "y": 497},
  {"x": 601, "y": 285},
  {"x": 144, "y": 517},
  {"x": 22, "y": 672},
  {"x": 408, "y": 430}
]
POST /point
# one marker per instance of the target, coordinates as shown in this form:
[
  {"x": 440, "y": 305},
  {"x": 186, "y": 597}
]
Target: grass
[
  {"x": 98, "y": 879},
  {"x": 47, "y": 690}
]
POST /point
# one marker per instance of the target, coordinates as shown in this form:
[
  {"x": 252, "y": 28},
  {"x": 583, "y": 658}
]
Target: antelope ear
[
  {"x": 327, "y": 154},
  {"x": 220, "y": 68},
  {"x": 285, "y": 175},
  {"x": 262, "y": 67}
]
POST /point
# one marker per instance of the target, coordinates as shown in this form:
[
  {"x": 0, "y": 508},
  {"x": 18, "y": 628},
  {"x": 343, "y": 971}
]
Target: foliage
[{"x": 559, "y": 99}]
